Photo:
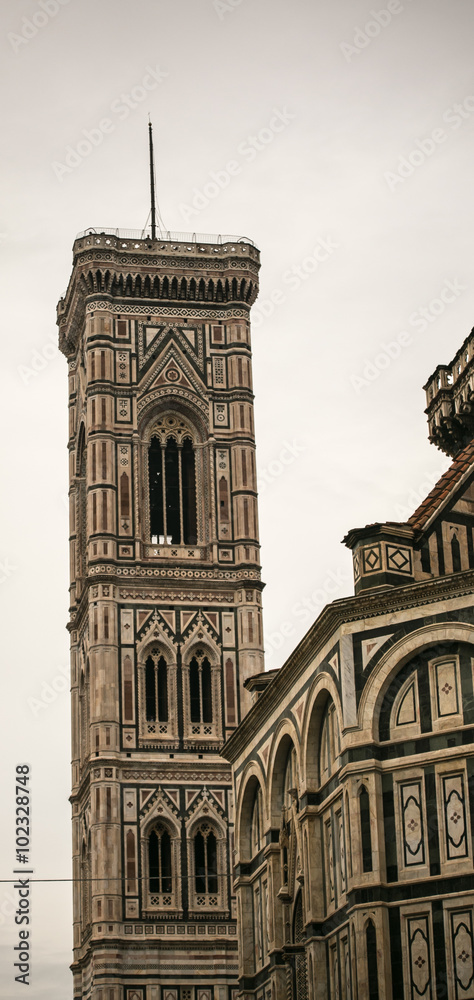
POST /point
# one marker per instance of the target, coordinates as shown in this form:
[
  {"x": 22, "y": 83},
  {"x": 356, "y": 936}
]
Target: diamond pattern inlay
[{"x": 372, "y": 560}]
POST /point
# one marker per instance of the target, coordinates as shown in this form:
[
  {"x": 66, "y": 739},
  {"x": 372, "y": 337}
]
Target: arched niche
[
  {"x": 246, "y": 817},
  {"x": 323, "y": 693},
  {"x": 285, "y": 744}
]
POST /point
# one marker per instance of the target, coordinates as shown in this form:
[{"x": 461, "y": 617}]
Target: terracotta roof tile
[{"x": 443, "y": 487}]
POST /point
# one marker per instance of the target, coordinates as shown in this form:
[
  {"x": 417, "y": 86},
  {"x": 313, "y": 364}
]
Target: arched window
[
  {"x": 159, "y": 864},
  {"x": 172, "y": 484},
  {"x": 156, "y": 688},
  {"x": 200, "y": 690},
  {"x": 205, "y": 861}
]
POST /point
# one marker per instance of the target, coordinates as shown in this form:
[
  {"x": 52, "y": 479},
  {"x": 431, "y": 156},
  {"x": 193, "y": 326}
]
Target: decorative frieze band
[{"x": 135, "y": 310}]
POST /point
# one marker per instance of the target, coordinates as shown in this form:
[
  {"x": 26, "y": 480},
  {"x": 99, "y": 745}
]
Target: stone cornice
[
  {"x": 216, "y": 581},
  {"x": 159, "y": 262},
  {"x": 148, "y": 766},
  {"x": 388, "y": 530}
]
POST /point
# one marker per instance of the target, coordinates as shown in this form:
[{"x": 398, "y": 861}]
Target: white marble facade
[{"x": 356, "y": 767}]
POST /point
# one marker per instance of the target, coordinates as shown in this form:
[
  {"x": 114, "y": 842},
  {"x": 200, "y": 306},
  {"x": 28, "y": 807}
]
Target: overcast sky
[{"x": 350, "y": 130}]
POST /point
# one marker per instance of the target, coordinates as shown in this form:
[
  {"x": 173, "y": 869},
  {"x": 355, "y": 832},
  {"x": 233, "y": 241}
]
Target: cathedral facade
[
  {"x": 354, "y": 769},
  {"x": 165, "y": 605}
]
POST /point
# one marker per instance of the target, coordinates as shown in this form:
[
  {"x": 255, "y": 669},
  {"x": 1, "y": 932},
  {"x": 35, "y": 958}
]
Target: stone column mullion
[{"x": 160, "y": 867}]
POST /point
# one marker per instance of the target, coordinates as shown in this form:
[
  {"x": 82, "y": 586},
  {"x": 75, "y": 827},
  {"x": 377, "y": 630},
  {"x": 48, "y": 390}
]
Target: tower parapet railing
[
  {"x": 445, "y": 376},
  {"x": 450, "y": 400},
  {"x": 98, "y": 236}
]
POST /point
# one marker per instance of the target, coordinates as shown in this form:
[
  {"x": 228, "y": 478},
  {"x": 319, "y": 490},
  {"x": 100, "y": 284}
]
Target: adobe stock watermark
[
  {"x": 416, "y": 496},
  {"x": 307, "y": 609},
  {"x": 50, "y": 691},
  {"x": 287, "y": 456},
  {"x": 223, "y": 7},
  {"x": 375, "y": 24},
  {"x": 120, "y": 108},
  {"x": 293, "y": 278},
  {"x": 39, "y": 360},
  {"x": 31, "y": 26},
  {"x": 419, "y": 320},
  {"x": 6, "y": 569},
  {"x": 455, "y": 116},
  {"x": 246, "y": 151}
]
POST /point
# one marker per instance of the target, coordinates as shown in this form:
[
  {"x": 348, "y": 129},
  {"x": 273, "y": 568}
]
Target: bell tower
[{"x": 165, "y": 607}]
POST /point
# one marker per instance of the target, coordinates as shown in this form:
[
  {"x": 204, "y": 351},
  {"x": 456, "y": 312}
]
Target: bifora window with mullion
[
  {"x": 172, "y": 480},
  {"x": 159, "y": 857},
  {"x": 156, "y": 690},
  {"x": 200, "y": 690},
  {"x": 205, "y": 860}
]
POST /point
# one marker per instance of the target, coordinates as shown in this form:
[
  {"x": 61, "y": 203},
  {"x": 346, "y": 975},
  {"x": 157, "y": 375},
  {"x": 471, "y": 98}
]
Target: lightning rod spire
[{"x": 152, "y": 183}]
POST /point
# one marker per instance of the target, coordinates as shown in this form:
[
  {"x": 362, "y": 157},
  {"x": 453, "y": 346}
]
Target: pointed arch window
[
  {"x": 200, "y": 689},
  {"x": 156, "y": 688},
  {"x": 159, "y": 865},
  {"x": 202, "y": 696},
  {"x": 205, "y": 862},
  {"x": 172, "y": 486},
  {"x": 208, "y": 861}
]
